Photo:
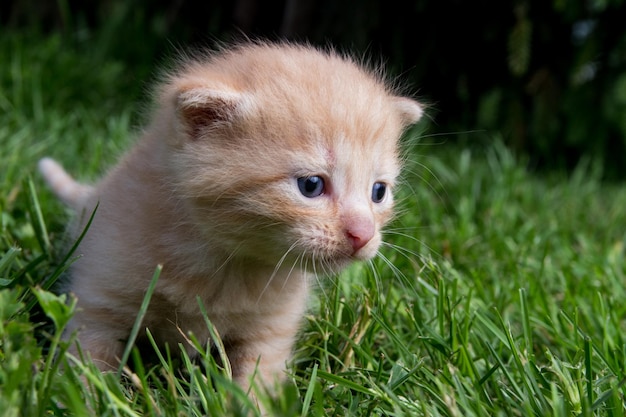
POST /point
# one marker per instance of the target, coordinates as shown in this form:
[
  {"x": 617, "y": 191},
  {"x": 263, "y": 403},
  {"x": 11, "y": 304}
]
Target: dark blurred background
[{"x": 548, "y": 77}]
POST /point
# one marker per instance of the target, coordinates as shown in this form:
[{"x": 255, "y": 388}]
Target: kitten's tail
[{"x": 71, "y": 192}]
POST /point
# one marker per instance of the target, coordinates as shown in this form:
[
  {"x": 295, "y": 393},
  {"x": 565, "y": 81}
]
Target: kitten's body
[{"x": 219, "y": 191}]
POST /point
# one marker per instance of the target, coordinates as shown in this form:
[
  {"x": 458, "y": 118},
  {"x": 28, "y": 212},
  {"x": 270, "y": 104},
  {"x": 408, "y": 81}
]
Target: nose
[{"x": 359, "y": 233}]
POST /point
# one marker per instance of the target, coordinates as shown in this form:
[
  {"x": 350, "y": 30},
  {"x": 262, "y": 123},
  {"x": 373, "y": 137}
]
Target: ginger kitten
[{"x": 263, "y": 165}]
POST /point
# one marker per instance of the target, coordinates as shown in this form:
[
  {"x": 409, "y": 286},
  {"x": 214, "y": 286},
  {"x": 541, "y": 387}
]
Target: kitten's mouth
[
  {"x": 326, "y": 260},
  {"x": 335, "y": 262}
]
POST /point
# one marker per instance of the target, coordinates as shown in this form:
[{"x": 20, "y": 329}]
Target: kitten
[{"x": 263, "y": 165}]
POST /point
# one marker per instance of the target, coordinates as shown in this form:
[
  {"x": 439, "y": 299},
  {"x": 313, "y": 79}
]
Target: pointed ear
[
  {"x": 201, "y": 109},
  {"x": 410, "y": 110}
]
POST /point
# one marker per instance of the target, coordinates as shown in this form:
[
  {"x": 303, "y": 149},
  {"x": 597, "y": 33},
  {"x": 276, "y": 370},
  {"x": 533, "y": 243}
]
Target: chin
[{"x": 333, "y": 265}]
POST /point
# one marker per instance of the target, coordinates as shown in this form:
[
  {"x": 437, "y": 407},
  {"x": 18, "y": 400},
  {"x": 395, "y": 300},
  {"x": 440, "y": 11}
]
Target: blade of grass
[
  {"x": 7, "y": 259},
  {"x": 528, "y": 336},
  {"x": 138, "y": 321},
  {"x": 588, "y": 370},
  {"x": 41, "y": 231},
  {"x": 347, "y": 383},
  {"x": 217, "y": 340},
  {"x": 48, "y": 282},
  {"x": 308, "y": 397},
  {"x": 97, "y": 380}
]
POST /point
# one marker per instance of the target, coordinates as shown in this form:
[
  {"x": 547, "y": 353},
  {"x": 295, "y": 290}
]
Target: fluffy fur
[{"x": 221, "y": 190}]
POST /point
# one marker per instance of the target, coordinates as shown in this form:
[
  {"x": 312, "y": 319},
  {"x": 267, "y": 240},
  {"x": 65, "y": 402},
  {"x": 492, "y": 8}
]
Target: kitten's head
[{"x": 286, "y": 154}]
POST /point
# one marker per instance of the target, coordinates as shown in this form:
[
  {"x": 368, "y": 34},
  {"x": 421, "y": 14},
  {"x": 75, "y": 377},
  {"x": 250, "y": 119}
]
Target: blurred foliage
[{"x": 548, "y": 75}]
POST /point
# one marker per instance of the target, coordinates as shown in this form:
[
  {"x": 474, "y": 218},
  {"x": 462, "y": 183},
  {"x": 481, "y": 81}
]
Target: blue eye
[
  {"x": 311, "y": 186},
  {"x": 378, "y": 192}
]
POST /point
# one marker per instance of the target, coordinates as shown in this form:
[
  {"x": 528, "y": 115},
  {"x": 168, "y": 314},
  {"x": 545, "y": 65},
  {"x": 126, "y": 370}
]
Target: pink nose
[{"x": 359, "y": 234}]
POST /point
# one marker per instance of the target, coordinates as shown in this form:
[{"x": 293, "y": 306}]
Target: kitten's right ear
[{"x": 203, "y": 109}]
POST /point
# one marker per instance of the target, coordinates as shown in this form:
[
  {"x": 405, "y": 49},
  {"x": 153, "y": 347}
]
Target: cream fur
[{"x": 210, "y": 192}]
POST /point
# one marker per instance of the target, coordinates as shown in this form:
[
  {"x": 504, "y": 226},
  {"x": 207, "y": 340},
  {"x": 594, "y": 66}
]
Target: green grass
[{"x": 502, "y": 294}]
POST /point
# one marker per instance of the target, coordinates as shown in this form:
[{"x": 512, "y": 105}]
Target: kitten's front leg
[
  {"x": 104, "y": 344},
  {"x": 260, "y": 359}
]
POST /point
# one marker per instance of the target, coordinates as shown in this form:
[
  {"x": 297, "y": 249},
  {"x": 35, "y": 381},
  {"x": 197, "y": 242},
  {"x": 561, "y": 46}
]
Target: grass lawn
[{"x": 501, "y": 292}]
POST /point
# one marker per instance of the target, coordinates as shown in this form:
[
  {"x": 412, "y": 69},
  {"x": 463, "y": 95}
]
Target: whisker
[
  {"x": 276, "y": 269},
  {"x": 320, "y": 285},
  {"x": 376, "y": 275},
  {"x": 404, "y": 280},
  {"x": 293, "y": 266},
  {"x": 415, "y": 174},
  {"x": 226, "y": 261},
  {"x": 404, "y": 250}
]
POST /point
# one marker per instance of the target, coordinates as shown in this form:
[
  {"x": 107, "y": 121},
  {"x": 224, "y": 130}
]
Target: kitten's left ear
[
  {"x": 201, "y": 109},
  {"x": 410, "y": 110}
]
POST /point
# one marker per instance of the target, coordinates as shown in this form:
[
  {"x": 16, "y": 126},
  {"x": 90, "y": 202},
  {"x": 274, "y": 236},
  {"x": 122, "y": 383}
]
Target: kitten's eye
[
  {"x": 378, "y": 192},
  {"x": 311, "y": 186}
]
